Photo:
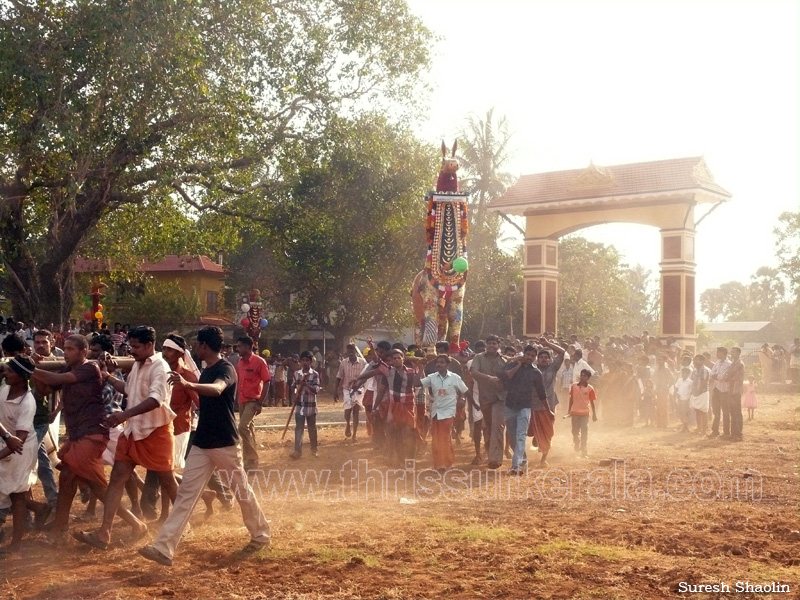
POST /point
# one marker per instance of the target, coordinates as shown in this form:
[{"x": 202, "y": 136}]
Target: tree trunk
[{"x": 41, "y": 272}]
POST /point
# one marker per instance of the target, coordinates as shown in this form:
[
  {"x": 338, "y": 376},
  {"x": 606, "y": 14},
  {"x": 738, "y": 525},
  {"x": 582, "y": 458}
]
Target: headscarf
[
  {"x": 187, "y": 356},
  {"x": 22, "y": 365}
]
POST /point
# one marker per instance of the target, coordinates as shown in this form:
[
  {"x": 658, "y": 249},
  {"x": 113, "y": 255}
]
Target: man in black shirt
[
  {"x": 215, "y": 445},
  {"x": 525, "y": 392}
]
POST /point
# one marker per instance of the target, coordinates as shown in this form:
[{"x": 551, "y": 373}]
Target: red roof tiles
[{"x": 171, "y": 263}]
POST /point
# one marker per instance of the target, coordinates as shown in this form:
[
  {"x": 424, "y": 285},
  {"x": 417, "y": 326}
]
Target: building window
[{"x": 212, "y": 302}]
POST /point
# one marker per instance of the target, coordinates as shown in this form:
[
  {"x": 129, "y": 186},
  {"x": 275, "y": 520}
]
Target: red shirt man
[{"x": 253, "y": 374}]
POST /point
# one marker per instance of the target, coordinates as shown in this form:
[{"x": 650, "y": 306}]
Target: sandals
[
  {"x": 90, "y": 538},
  {"x": 41, "y": 515}
]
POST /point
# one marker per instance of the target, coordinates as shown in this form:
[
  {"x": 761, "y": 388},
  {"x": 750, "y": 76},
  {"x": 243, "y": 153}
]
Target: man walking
[
  {"x": 254, "y": 377},
  {"x": 146, "y": 438},
  {"x": 525, "y": 392},
  {"x": 214, "y": 446},
  {"x": 47, "y": 410},
  {"x": 486, "y": 368},
  {"x": 349, "y": 370}
]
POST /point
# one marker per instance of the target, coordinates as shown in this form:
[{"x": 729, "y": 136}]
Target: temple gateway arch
[{"x": 662, "y": 193}]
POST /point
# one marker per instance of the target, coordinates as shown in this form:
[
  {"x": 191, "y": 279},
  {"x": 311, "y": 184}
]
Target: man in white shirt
[
  {"x": 579, "y": 364},
  {"x": 349, "y": 369},
  {"x": 446, "y": 389},
  {"x": 146, "y": 438}
]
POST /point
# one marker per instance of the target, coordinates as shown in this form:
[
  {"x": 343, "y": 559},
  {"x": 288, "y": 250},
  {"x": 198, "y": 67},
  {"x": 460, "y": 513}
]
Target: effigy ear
[
  {"x": 444, "y": 149},
  {"x": 455, "y": 147}
]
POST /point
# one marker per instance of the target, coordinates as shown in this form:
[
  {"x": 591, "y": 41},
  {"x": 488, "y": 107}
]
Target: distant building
[
  {"x": 745, "y": 334},
  {"x": 192, "y": 274}
]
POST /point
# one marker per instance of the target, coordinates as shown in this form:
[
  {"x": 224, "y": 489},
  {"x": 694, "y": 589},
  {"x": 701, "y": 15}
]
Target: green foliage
[
  {"x": 489, "y": 307},
  {"x": 342, "y": 243},
  {"x": 163, "y": 305},
  {"x": 593, "y": 296},
  {"x": 787, "y": 244},
  {"x": 106, "y": 105}
]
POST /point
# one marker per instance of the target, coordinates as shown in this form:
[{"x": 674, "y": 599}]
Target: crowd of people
[{"x": 173, "y": 413}]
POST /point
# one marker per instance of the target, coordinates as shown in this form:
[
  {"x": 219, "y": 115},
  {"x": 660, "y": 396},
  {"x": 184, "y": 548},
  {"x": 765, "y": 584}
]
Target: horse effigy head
[{"x": 448, "y": 178}]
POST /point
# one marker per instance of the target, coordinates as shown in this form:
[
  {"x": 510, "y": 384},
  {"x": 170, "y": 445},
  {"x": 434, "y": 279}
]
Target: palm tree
[
  {"x": 484, "y": 151},
  {"x": 767, "y": 290}
]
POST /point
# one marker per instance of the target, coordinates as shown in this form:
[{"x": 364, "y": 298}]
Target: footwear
[
  {"x": 314, "y": 453},
  {"x": 146, "y": 512},
  {"x": 712, "y": 435},
  {"x": 513, "y": 472},
  {"x": 477, "y": 460},
  {"x": 40, "y": 516},
  {"x": 55, "y": 540},
  {"x": 495, "y": 465},
  {"x": 347, "y": 431},
  {"x": 255, "y": 546},
  {"x": 151, "y": 553},
  {"x": 295, "y": 455},
  {"x": 90, "y": 538},
  {"x": 138, "y": 534}
]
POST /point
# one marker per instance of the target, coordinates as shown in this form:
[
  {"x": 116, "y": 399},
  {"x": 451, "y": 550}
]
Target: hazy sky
[{"x": 632, "y": 81}]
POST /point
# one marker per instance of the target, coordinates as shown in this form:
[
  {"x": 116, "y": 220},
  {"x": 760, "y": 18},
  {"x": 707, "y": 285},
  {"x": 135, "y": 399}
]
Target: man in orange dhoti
[{"x": 446, "y": 390}]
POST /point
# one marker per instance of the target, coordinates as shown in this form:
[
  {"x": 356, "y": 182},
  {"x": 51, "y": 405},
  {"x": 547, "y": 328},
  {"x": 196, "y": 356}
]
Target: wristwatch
[{"x": 5, "y": 436}]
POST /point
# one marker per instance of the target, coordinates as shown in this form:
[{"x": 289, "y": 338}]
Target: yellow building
[{"x": 192, "y": 274}]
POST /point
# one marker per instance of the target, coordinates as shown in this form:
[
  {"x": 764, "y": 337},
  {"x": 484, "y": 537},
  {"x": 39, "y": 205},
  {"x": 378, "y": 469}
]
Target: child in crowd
[
  {"x": 581, "y": 397},
  {"x": 749, "y": 399},
  {"x": 305, "y": 386}
]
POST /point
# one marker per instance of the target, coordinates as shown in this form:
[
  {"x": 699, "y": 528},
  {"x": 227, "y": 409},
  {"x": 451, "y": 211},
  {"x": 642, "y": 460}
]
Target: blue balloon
[{"x": 264, "y": 322}]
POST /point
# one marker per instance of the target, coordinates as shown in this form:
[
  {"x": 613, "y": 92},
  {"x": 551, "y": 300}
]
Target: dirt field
[{"x": 672, "y": 508}]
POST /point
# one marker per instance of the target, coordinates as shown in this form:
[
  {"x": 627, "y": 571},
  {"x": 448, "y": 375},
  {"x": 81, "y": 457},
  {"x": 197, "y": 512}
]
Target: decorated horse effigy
[{"x": 438, "y": 290}]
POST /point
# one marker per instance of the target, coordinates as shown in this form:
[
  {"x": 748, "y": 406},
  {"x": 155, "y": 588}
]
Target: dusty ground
[{"x": 728, "y": 512}]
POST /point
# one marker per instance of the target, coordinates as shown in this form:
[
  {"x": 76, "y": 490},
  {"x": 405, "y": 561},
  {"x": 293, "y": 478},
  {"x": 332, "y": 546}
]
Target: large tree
[
  {"x": 592, "y": 288},
  {"x": 787, "y": 245},
  {"x": 341, "y": 244},
  {"x": 111, "y": 104}
]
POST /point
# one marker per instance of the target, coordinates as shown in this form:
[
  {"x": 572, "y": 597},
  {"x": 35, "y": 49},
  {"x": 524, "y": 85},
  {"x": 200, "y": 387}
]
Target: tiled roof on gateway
[{"x": 678, "y": 174}]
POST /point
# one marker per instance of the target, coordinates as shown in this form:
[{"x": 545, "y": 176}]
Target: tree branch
[{"x": 176, "y": 185}]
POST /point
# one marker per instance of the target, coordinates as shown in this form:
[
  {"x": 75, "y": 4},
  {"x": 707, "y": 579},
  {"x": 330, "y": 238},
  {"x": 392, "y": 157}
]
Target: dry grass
[{"x": 465, "y": 548}]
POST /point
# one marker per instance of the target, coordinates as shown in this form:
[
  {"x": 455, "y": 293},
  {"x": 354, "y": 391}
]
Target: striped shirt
[
  {"x": 148, "y": 379},
  {"x": 401, "y": 384},
  {"x": 117, "y": 340},
  {"x": 308, "y": 395},
  {"x": 349, "y": 370},
  {"x": 720, "y": 374}
]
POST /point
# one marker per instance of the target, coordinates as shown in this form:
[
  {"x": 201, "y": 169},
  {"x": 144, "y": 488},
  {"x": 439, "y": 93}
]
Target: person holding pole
[{"x": 306, "y": 386}]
